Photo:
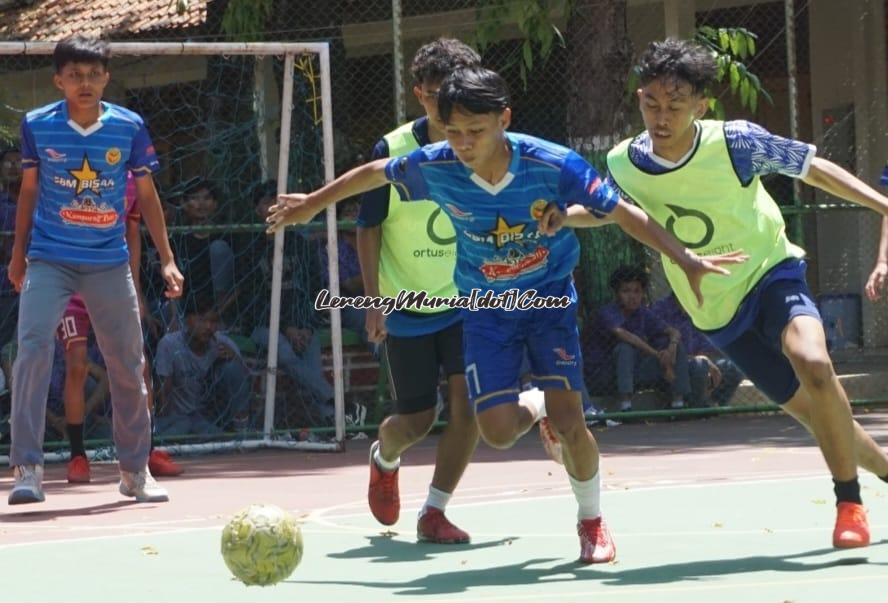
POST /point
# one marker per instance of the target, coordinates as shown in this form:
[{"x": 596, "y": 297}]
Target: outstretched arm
[
  {"x": 836, "y": 180},
  {"x": 300, "y": 209}
]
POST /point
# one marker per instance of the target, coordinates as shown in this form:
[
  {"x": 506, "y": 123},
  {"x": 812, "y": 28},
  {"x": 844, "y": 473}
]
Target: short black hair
[
  {"x": 195, "y": 185},
  {"x": 199, "y": 303},
  {"x": 81, "y": 49},
  {"x": 264, "y": 191},
  {"x": 678, "y": 61},
  {"x": 436, "y": 60},
  {"x": 628, "y": 274},
  {"x": 474, "y": 90}
]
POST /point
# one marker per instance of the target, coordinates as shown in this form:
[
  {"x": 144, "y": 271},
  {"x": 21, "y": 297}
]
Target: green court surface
[{"x": 765, "y": 540}]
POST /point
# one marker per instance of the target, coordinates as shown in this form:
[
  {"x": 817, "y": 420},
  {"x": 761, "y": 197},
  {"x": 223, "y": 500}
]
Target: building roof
[{"x": 53, "y": 20}]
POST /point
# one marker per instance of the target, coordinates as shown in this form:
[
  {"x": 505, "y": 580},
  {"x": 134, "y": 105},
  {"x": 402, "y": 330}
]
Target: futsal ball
[{"x": 262, "y": 545}]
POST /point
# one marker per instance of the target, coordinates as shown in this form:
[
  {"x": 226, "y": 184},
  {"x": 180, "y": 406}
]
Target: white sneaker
[
  {"x": 625, "y": 405},
  {"x": 141, "y": 486},
  {"x": 28, "y": 486},
  {"x": 677, "y": 404},
  {"x": 536, "y": 399}
]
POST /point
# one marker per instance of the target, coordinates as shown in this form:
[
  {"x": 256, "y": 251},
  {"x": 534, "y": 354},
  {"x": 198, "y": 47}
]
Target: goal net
[{"x": 233, "y": 124}]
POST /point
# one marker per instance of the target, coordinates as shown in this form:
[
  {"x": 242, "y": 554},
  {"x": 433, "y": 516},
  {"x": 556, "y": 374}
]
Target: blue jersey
[
  {"x": 80, "y": 215},
  {"x": 499, "y": 246}
]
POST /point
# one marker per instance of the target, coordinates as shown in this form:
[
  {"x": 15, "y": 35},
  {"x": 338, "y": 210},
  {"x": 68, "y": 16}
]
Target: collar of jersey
[
  {"x": 506, "y": 180},
  {"x": 106, "y": 112},
  {"x": 671, "y": 165}
]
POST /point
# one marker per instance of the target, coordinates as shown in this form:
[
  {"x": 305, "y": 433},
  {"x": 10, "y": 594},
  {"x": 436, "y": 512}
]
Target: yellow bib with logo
[
  {"x": 418, "y": 240},
  {"x": 706, "y": 207}
]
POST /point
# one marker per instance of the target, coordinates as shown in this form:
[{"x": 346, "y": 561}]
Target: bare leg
[
  {"x": 870, "y": 455},
  {"x": 459, "y": 439},
  {"x": 580, "y": 451},
  {"x": 829, "y": 414}
]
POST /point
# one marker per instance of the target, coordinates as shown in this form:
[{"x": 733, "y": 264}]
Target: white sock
[
  {"x": 387, "y": 466},
  {"x": 437, "y": 498},
  {"x": 535, "y": 400},
  {"x": 588, "y": 495}
]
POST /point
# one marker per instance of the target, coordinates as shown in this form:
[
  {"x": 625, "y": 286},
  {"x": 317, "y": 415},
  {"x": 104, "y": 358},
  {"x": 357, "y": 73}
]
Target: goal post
[{"x": 169, "y": 88}]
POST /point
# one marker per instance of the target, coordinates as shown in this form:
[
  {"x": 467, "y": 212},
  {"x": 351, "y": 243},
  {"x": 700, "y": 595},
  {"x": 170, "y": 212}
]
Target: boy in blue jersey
[
  {"x": 876, "y": 281},
  {"x": 701, "y": 179},
  {"x": 501, "y": 191},
  {"x": 69, "y": 237}
]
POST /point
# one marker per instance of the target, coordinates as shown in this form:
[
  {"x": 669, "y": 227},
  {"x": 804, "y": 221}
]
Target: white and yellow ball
[{"x": 262, "y": 545}]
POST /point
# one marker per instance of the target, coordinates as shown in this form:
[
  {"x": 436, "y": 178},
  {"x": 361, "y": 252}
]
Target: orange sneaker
[
  {"x": 78, "y": 470},
  {"x": 551, "y": 443},
  {"x": 385, "y": 503},
  {"x": 852, "y": 527},
  {"x": 433, "y": 526},
  {"x": 596, "y": 543},
  {"x": 160, "y": 464}
]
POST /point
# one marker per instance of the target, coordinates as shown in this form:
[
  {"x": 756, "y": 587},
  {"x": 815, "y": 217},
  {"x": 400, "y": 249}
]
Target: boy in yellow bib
[{"x": 700, "y": 180}]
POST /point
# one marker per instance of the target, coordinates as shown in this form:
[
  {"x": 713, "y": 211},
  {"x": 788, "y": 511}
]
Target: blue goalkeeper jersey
[
  {"x": 499, "y": 246},
  {"x": 80, "y": 214}
]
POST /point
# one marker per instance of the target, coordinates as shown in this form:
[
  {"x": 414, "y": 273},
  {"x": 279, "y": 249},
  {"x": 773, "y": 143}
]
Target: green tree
[
  {"x": 732, "y": 47},
  {"x": 599, "y": 56}
]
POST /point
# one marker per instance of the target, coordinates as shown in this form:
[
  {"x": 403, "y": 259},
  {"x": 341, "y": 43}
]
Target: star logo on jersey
[
  {"x": 505, "y": 233},
  {"x": 87, "y": 177}
]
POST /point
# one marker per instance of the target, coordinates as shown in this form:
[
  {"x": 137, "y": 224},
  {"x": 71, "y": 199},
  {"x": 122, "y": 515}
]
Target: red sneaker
[
  {"x": 385, "y": 503},
  {"x": 78, "y": 470},
  {"x": 852, "y": 527},
  {"x": 596, "y": 543},
  {"x": 433, "y": 526},
  {"x": 551, "y": 443},
  {"x": 160, "y": 464}
]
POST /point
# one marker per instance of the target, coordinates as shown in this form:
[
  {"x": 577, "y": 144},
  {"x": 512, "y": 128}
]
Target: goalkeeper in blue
[{"x": 505, "y": 193}]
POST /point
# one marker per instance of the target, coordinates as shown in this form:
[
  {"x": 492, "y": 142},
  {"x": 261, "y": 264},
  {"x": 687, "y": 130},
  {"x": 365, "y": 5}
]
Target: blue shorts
[
  {"x": 495, "y": 344},
  {"x": 758, "y": 350}
]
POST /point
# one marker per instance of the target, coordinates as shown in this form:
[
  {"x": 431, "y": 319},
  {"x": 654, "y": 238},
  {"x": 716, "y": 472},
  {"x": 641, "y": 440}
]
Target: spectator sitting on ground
[
  {"x": 205, "y": 385},
  {"x": 206, "y": 258},
  {"x": 351, "y": 283},
  {"x": 628, "y": 344},
  {"x": 714, "y": 378},
  {"x": 299, "y": 348}
]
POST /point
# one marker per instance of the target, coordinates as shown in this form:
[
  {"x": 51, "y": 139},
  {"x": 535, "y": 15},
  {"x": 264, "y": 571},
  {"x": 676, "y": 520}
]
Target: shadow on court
[
  {"x": 385, "y": 549},
  {"x": 525, "y": 573},
  {"x": 33, "y": 513}
]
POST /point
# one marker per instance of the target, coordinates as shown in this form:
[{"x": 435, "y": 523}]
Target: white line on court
[{"x": 319, "y": 516}]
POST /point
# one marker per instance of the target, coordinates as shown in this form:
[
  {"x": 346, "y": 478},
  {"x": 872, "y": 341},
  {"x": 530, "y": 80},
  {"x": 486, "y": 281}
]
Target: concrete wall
[{"x": 848, "y": 67}]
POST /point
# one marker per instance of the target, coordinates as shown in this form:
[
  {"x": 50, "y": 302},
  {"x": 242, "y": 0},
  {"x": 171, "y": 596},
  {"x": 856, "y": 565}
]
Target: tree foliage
[
  {"x": 534, "y": 21},
  {"x": 732, "y": 48},
  {"x": 244, "y": 20}
]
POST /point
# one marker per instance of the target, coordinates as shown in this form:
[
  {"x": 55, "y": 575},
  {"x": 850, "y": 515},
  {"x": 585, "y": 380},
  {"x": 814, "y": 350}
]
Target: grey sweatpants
[{"x": 110, "y": 298}]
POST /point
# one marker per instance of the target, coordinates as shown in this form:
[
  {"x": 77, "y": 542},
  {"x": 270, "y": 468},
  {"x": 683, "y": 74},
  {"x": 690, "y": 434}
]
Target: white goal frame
[{"x": 289, "y": 51}]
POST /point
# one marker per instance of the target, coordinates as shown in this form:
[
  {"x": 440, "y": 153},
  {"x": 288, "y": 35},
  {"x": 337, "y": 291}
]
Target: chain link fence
[{"x": 577, "y": 96}]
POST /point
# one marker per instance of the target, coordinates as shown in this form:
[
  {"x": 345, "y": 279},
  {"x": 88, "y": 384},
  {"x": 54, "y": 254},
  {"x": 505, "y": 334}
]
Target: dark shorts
[
  {"x": 75, "y": 326},
  {"x": 415, "y": 365},
  {"x": 498, "y": 342},
  {"x": 758, "y": 351}
]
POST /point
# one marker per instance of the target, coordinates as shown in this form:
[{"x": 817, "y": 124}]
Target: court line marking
[{"x": 318, "y": 517}]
